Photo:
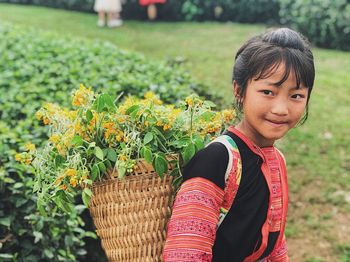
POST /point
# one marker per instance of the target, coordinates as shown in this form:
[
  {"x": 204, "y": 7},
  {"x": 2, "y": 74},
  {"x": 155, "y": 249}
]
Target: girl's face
[{"x": 270, "y": 111}]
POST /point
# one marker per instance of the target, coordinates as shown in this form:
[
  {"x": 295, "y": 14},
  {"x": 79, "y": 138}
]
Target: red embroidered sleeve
[
  {"x": 192, "y": 227},
  {"x": 279, "y": 254}
]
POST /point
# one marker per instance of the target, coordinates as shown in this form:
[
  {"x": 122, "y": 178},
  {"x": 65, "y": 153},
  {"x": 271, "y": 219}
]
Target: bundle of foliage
[
  {"x": 326, "y": 23},
  {"x": 100, "y": 136},
  {"x": 36, "y": 67}
]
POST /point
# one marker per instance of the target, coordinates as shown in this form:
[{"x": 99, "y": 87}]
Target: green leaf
[
  {"x": 95, "y": 172},
  {"x": 209, "y": 104},
  {"x": 105, "y": 152},
  {"x": 121, "y": 172},
  {"x": 159, "y": 133},
  {"x": 108, "y": 164},
  {"x": 99, "y": 153},
  {"x": 61, "y": 203},
  {"x": 5, "y": 221},
  {"x": 100, "y": 103},
  {"x": 207, "y": 116},
  {"x": 147, "y": 154},
  {"x": 189, "y": 152},
  {"x": 86, "y": 196},
  {"x": 199, "y": 143},
  {"x": 40, "y": 206},
  {"x": 6, "y": 255},
  {"x": 148, "y": 138},
  {"x": 160, "y": 165},
  {"x": 102, "y": 168},
  {"x": 77, "y": 140},
  {"x": 90, "y": 234},
  {"x": 112, "y": 155},
  {"x": 89, "y": 115},
  {"x": 18, "y": 185},
  {"x": 108, "y": 101},
  {"x": 38, "y": 236},
  {"x": 132, "y": 109},
  {"x": 48, "y": 253}
]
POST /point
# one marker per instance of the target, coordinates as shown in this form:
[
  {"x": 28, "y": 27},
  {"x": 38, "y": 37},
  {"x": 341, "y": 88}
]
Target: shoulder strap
[{"x": 232, "y": 175}]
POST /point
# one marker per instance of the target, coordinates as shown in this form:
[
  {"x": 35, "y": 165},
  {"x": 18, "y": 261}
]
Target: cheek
[{"x": 298, "y": 112}]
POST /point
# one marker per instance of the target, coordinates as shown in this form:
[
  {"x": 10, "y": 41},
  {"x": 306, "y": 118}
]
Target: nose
[{"x": 279, "y": 107}]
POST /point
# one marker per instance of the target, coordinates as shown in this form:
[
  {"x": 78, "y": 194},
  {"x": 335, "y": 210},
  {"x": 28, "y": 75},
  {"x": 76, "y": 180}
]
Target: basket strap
[{"x": 232, "y": 175}]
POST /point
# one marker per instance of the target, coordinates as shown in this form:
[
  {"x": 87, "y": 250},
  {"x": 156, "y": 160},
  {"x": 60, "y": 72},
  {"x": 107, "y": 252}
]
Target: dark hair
[{"x": 261, "y": 55}]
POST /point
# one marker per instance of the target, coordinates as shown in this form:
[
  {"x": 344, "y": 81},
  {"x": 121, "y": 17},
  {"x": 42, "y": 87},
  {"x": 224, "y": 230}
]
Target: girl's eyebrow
[{"x": 291, "y": 88}]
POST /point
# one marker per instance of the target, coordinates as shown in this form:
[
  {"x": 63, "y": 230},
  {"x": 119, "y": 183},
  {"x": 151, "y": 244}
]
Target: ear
[{"x": 236, "y": 90}]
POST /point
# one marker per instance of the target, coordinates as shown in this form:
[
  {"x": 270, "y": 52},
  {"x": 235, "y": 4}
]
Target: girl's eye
[
  {"x": 298, "y": 96},
  {"x": 267, "y": 92}
]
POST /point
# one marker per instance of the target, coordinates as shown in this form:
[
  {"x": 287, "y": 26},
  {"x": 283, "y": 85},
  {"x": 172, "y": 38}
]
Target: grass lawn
[{"x": 318, "y": 153}]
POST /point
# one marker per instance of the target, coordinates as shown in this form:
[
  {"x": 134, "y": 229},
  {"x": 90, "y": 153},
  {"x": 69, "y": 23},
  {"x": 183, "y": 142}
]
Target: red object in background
[{"x": 150, "y": 2}]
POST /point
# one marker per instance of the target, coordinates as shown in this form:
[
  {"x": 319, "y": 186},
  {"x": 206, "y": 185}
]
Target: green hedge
[
  {"x": 325, "y": 22},
  {"x": 248, "y": 11},
  {"x": 37, "y": 67}
]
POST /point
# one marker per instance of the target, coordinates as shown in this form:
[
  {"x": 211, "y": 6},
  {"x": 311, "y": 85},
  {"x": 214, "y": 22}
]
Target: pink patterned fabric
[{"x": 192, "y": 226}]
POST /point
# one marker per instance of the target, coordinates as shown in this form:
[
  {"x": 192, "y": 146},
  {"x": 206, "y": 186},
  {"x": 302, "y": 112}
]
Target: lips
[{"x": 276, "y": 122}]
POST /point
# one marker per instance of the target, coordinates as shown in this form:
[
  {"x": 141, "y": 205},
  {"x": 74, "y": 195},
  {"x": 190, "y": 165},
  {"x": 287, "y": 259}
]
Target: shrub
[
  {"x": 325, "y": 22},
  {"x": 36, "y": 67},
  {"x": 248, "y": 11}
]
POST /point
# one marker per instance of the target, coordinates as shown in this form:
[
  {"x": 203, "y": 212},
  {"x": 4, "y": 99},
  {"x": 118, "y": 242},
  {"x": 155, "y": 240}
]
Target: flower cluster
[
  {"x": 26, "y": 157},
  {"x": 101, "y": 135}
]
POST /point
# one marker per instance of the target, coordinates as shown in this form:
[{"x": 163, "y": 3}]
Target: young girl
[
  {"x": 111, "y": 9},
  {"x": 273, "y": 78},
  {"x": 151, "y": 7}
]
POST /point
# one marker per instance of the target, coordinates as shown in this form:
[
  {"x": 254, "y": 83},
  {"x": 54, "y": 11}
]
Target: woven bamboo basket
[{"x": 130, "y": 215}]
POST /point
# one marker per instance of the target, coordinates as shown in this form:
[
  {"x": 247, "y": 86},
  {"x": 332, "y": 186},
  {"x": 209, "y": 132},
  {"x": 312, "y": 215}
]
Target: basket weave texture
[{"x": 131, "y": 214}]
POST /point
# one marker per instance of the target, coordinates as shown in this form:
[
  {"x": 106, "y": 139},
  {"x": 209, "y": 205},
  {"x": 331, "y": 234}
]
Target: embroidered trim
[{"x": 192, "y": 226}]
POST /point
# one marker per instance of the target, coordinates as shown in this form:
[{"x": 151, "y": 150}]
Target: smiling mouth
[{"x": 276, "y": 123}]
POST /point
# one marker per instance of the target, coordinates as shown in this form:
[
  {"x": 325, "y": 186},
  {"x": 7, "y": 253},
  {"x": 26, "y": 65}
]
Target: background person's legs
[
  {"x": 152, "y": 12},
  {"x": 114, "y": 19},
  {"x": 101, "y": 18}
]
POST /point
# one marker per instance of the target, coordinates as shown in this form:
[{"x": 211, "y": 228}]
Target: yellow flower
[
  {"x": 18, "y": 157},
  {"x": 189, "y": 101},
  {"x": 70, "y": 172},
  {"x": 82, "y": 179},
  {"x": 166, "y": 127},
  {"x": 24, "y": 158},
  {"x": 29, "y": 147},
  {"x": 46, "y": 121},
  {"x": 39, "y": 115},
  {"x": 82, "y": 96},
  {"x": 122, "y": 157},
  {"x": 73, "y": 182},
  {"x": 61, "y": 150},
  {"x": 59, "y": 180},
  {"x": 120, "y": 136},
  {"x": 228, "y": 115},
  {"x": 72, "y": 114},
  {"x": 63, "y": 187},
  {"x": 152, "y": 97},
  {"x": 55, "y": 138}
]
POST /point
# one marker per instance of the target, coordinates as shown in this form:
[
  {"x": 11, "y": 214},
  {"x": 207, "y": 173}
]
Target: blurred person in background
[
  {"x": 151, "y": 7},
  {"x": 111, "y": 9}
]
